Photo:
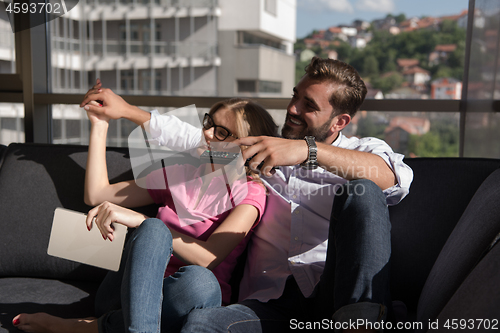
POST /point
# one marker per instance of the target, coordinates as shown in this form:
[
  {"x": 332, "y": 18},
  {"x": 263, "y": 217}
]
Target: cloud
[
  {"x": 384, "y": 6},
  {"x": 343, "y": 6}
]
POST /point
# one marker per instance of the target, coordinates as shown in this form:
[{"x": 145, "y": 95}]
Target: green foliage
[
  {"x": 370, "y": 126},
  {"x": 300, "y": 70},
  {"x": 299, "y": 45},
  {"x": 387, "y": 83},
  {"x": 441, "y": 141},
  {"x": 426, "y": 145},
  {"x": 370, "y": 66},
  {"x": 400, "y": 18},
  {"x": 384, "y": 49}
]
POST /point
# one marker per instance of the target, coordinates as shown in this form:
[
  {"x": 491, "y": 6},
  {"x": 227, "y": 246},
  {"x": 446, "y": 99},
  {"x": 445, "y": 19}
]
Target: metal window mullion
[
  {"x": 35, "y": 78},
  {"x": 91, "y": 42},
  {"x": 118, "y": 77},
  {"x": 465, "y": 85},
  {"x": 168, "y": 78},
  {"x": 181, "y": 80},
  {"x": 177, "y": 38},
  {"x": 127, "y": 37},
  {"x": 70, "y": 55},
  {"x": 104, "y": 35},
  {"x": 66, "y": 47},
  {"x": 191, "y": 38},
  {"x": 83, "y": 46},
  {"x": 136, "y": 78},
  {"x": 12, "y": 53},
  {"x": 152, "y": 37}
]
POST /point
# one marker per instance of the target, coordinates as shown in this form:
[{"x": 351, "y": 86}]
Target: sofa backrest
[
  {"x": 423, "y": 221},
  {"x": 3, "y": 149},
  {"x": 34, "y": 180}
]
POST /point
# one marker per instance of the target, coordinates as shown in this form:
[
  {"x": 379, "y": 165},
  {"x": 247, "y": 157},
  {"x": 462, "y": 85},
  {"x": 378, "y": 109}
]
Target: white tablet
[{"x": 70, "y": 239}]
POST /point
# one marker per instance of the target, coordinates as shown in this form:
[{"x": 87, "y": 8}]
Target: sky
[{"x": 321, "y": 14}]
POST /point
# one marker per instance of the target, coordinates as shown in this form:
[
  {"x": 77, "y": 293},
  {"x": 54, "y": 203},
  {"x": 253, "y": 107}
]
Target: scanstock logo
[{"x": 31, "y": 13}]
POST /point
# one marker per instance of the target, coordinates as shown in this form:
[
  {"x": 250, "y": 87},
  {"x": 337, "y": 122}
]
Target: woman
[{"x": 138, "y": 297}]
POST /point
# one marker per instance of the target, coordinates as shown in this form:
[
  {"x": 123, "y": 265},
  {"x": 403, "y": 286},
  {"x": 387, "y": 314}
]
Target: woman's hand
[
  {"x": 103, "y": 102},
  {"x": 108, "y": 213}
]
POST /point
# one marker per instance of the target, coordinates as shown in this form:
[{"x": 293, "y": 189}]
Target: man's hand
[
  {"x": 108, "y": 213},
  {"x": 273, "y": 151},
  {"x": 104, "y": 102},
  {"x": 113, "y": 106}
]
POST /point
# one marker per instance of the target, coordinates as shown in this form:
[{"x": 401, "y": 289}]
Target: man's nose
[{"x": 293, "y": 109}]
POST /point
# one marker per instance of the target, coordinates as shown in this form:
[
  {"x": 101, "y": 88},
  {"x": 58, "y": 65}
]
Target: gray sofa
[{"x": 444, "y": 263}]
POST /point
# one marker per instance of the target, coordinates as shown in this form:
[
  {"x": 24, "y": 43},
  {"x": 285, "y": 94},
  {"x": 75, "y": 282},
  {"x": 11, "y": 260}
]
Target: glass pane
[
  {"x": 182, "y": 51},
  {"x": 402, "y": 49},
  {"x": 71, "y": 125},
  {"x": 482, "y": 132},
  {"x": 7, "y": 44},
  {"x": 415, "y": 134},
  {"x": 11, "y": 123}
]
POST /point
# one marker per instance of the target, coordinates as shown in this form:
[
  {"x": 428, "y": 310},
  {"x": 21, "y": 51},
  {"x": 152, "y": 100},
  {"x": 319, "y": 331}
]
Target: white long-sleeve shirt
[{"x": 292, "y": 237}]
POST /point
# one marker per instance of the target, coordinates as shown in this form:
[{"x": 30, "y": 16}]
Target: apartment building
[{"x": 161, "y": 47}]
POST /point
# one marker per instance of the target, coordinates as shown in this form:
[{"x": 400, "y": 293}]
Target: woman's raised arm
[{"x": 97, "y": 186}]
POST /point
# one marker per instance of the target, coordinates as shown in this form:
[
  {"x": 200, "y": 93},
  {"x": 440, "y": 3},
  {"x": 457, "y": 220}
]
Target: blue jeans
[
  {"x": 138, "y": 298},
  {"x": 354, "y": 284}
]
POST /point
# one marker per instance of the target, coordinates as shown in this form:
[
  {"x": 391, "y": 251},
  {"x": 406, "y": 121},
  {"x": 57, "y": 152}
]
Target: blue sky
[{"x": 321, "y": 14}]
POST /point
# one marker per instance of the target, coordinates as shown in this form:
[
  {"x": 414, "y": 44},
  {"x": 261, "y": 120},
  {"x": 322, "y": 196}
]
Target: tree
[
  {"x": 400, "y": 18},
  {"x": 387, "y": 83},
  {"x": 370, "y": 67},
  {"x": 426, "y": 145},
  {"x": 300, "y": 70},
  {"x": 368, "y": 126}
]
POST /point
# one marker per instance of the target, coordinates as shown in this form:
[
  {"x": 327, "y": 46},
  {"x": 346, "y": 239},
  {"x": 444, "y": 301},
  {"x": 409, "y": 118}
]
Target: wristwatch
[{"x": 312, "y": 161}]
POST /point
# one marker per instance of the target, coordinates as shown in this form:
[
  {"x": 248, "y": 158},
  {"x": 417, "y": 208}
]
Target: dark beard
[{"x": 320, "y": 133}]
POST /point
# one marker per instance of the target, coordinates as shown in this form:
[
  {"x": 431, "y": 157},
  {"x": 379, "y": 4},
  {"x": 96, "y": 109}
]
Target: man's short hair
[{"x": 351, "y": 90}]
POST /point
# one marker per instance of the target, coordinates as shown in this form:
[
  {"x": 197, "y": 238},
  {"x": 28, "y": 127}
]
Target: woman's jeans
[
  {"x": 354, "y": 286},
  {"x": 138, "y": 298}
]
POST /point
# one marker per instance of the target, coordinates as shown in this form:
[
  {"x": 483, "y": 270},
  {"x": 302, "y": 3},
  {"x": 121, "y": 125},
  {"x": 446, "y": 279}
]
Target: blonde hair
[{"x": 251, "y": 120}]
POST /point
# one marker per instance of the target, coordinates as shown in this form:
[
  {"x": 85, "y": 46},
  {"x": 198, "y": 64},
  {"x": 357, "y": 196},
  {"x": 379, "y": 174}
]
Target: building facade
[{"x": 163, "y": 47}]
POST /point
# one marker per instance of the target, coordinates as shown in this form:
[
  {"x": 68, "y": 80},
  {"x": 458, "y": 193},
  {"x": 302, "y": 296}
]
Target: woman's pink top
[{"x": 182, "y": 213}]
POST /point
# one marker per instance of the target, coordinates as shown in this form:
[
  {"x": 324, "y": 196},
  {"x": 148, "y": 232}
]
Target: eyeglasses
[{"x": 220, "y": 132}]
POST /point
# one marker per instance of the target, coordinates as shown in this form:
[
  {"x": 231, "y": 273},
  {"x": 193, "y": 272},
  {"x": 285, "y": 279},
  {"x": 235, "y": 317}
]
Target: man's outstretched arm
[{"x": 346, "y": 163}]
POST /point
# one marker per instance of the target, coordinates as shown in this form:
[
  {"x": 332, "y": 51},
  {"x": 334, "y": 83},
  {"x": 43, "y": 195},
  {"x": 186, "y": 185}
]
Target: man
[{"x": 308, "y": 265}]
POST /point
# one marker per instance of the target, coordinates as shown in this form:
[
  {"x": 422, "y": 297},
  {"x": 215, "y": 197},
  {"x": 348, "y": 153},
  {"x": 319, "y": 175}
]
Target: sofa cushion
[
  {"x": 34, "y": 180},
  {"x": 473, "y": 235},
  {"x": 68, "y": 299},
  {"x": 422, "y": 222},
  {"x": 477, "y": 298}
]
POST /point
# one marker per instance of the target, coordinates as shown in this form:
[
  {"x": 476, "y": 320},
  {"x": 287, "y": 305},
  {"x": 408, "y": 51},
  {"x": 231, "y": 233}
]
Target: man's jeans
[
  {"x": 354, "y": 285},
  {"x": 138, "y": 298}
]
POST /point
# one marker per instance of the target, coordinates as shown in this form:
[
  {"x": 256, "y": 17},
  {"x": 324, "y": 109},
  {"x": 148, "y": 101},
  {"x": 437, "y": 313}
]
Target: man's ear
[{"x": 340, "y": 122}]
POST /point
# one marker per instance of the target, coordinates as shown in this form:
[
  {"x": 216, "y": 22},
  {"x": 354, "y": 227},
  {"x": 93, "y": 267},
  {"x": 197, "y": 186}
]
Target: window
[
  {"x": 246, "y": 38},
  {"x": 260, "y": 86},
  {"x": 270, "y": 87},
  {"x": 247, "y": 86},
  {"x": 127, "y": 80},
  {"x": 271, "y": 7}
]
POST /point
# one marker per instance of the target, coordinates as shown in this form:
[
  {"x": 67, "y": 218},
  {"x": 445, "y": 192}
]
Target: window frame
[{"x": 30, "y": 85}]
